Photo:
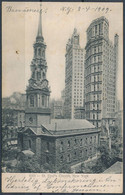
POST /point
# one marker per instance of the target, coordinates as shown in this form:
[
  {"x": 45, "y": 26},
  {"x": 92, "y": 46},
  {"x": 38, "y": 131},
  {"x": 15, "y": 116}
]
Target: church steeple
[
  {"x": 39, "y": 33},
  {"x": 38, "y": 91}
]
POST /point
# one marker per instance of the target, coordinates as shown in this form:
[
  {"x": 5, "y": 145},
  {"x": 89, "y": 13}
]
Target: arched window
[
  {"x": 42, "y": 100},
  {"x": 43, "y": 53},
  {"x": 38, "y": 76},
  {"x": 29, "y": 144},
  {"x": 68, "y": 143},
  {"x": 81, "y": 142},
  {"x": 45, "y": 100},
  {"x": 33, "y": 74},
  {"x": 39, "y": 51},
  {"x": 61, "y": 147},
  {"x": 32, "y": 101},
  {"x": 43, "y": 75}
]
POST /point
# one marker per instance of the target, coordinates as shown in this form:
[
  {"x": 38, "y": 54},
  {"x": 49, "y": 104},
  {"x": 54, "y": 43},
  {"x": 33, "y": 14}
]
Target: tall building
[
  {"x": 57, "y": 109},
  {"x": 38, "y": 92},
  {"x": 74, "y": 76},
  {"x": 101, "y": 61}
]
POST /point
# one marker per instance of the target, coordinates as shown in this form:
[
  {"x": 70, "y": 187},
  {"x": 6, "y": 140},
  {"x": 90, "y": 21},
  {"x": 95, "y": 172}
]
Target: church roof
[
  {"x": 68, "y": 124},
  {"x": 64, "y": 127}
]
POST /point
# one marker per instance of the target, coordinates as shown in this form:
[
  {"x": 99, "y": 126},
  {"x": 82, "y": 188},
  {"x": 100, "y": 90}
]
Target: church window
[
  {"x": 90, "y": 140},
  {"x": 43, "y": 75},
  {"x": 45, "y": 101},
  {"x": 86, "y": 152},
  {"x": 38, "y": 75},
  {"x": 90, "y": 151},
  {"x": 81, "y": 142},
  {"x": 42, "y": 100},
  {"x": 33, "y": 74},
  {"x": 43, "y": 53},
  {"x": 47, "y": 145},
  {"x": 29, "y": 144},
  {"x": 39, "y": 51},
  {"x": 68, "y": 144},
  {"x": 61, "y": 147},
  {"x": 32, "y": 101}
]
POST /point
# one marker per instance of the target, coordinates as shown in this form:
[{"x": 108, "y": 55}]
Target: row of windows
[
  {"x": 93, "y": 69},
  {"x": 93, "y": 50},
  {"x": 94, "y": 59},
  {"x": 43, "y": 101},
  {"x": 78, "y": 141},
  {"x": 96, "y": 30},
  {"x": 39, "y": 52},
  {"x": 81, "y": 153}
]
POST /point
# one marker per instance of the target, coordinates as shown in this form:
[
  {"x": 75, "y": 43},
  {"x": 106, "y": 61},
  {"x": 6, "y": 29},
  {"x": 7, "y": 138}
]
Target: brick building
[{"x": 62, "y": 142}]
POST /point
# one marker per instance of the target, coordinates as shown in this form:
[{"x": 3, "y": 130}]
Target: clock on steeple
[{"x": 38, "y": 91}]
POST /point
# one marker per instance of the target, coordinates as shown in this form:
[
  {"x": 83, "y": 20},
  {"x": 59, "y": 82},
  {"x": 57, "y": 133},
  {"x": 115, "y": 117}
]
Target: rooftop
[
  {"x": 97, "y": 20},
  {"x": 68, "y": 124},
  {"x": 28, "y": 152}
]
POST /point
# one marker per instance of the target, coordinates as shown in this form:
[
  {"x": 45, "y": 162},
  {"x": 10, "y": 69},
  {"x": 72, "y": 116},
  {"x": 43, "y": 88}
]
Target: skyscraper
[
  {"x": 38, "y": 92},
  {"x": 101, "y": 63},
  {"x": 74, "y": 76}
]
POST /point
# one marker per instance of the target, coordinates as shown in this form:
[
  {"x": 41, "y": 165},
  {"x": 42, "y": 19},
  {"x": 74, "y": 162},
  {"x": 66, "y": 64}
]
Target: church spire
[{"x": 39, "y": 34}]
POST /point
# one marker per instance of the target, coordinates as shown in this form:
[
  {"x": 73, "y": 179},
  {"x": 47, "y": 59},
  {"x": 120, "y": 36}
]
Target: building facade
[
  {"x": 62, "y": 143},
  {"x": 101, "y": 61},
  {"x": 79, "y": 113},
  {"x": 57, "y": 109},
  {"x": 74, "y": 75}
]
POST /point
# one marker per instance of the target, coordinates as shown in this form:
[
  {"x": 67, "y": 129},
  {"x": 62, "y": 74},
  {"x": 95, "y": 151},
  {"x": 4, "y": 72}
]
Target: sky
[{"x": 19, "y": 30}]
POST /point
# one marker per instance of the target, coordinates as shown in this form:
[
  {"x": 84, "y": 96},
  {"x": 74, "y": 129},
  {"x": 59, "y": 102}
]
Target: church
[{"x": 59, "y": 142}]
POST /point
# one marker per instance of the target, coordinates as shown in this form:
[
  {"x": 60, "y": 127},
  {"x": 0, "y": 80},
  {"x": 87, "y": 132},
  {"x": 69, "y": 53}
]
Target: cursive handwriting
[
  {"x": 61, "y": 183},
  {"x": 65, "y": 9},
  {"x": 11, "y": 9},
  {"x": 102, "y": 9}
]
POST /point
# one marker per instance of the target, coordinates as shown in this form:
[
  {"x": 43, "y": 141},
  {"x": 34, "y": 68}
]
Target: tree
[
  {"x": 29, "y": 165},
  {"x": 65, "y": 169},
  {"x": 106, "y": 159}
]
